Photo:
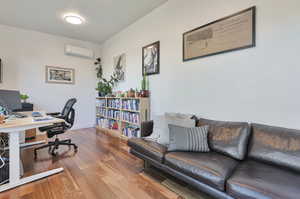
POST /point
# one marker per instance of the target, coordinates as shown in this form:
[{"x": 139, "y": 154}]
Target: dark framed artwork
[
  {"x": 151, "y": 59},
  {"x": 234, "y": 32},
  {"x": 58, "y": 75}
]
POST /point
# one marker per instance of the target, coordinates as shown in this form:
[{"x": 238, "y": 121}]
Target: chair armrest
[
  {"x": 47, "y": 128},
  {"x": 53, "y": 114},
  {"x": 146, "y": 128}
]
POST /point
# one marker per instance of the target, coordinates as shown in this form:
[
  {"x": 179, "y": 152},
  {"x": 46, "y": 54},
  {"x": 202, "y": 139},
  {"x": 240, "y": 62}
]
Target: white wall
[
  {"x": 25, "y": 55},
  {"x": 260, "y": 84}
]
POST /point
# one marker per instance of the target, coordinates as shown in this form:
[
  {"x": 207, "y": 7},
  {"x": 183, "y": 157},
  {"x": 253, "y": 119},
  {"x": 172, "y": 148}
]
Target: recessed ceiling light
[{"x": 73, "y": 19}]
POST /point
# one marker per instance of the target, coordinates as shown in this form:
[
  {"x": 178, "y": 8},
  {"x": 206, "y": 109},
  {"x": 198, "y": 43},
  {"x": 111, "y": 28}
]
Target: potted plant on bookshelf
[
  {"x": 103, "y": 89},
  {"x": 104, "y": 86},
  {"x": 145, "y": 87}
]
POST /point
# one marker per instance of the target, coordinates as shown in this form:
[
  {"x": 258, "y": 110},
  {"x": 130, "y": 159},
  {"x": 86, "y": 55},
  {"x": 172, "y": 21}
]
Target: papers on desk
[{"x": 40, "y": 119}]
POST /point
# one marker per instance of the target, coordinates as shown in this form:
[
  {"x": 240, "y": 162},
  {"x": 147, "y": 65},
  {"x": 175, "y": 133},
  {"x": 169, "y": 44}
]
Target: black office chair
[{"x": 68, "y": 114}]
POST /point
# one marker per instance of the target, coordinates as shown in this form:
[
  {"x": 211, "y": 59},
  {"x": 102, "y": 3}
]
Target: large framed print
[
  {"x": 230, "y": 33},
  {"x": 58, "y": 75}
]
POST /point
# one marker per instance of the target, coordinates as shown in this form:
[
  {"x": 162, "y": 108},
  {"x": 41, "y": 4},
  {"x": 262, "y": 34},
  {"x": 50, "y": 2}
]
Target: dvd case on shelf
[
  {"x": 132, "y": 104},
  {"x": 101, "y": 111},
  {"x": 114, "y": 103},
  {"x": 101, "y": 103},
  {"x": 131, "y": 131},
  {"x": 131, "y": 117}
]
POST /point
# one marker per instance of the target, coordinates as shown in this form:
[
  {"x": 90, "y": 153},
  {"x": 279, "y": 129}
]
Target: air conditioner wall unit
[{"x": 79, "y": 51}]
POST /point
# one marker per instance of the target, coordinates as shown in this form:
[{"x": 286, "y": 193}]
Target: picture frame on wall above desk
[
  {"x": 59, "y": 75},
  {"x": 231, "y": 33}
]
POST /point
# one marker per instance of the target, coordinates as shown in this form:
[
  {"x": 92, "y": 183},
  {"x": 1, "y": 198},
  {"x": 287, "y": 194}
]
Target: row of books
[
  {"x": 102, "y": 122},
  {"x": 114, "y": 114},
  {"x": 131, "y": 105},
  {"x": 107, "y": 123},
  {"x": 130, "y": 132},
  {"x": 131, "y": 117},
  {"x": 114, "y": 103},
  {"x": 101, "y": 103},
  {"x": 101, "y": 111}
]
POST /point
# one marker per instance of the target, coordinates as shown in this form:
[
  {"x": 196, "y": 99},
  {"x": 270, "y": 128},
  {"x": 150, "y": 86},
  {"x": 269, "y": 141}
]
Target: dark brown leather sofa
[{"x": 247, "y": 161}]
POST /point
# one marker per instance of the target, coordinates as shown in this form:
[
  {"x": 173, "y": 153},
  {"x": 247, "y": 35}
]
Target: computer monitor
[{"x": 10, "y": 99}]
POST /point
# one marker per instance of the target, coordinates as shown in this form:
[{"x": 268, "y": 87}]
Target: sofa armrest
[{"x": 146, "y": 128}]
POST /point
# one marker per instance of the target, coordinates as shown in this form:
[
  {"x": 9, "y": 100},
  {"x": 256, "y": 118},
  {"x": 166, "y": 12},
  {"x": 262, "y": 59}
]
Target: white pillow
[
  {"x": 163, "y": 122},
  {"x": 159, "y": 128}
]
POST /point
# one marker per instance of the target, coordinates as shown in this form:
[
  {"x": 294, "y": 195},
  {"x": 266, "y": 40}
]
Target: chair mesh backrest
[{"x": 68, "y": 108}]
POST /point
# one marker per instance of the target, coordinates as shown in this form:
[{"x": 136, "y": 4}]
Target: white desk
[{"x": 13, "y": 128}]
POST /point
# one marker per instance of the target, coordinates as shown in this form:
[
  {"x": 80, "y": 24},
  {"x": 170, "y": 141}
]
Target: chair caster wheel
[{"x": 76, "y": 149}]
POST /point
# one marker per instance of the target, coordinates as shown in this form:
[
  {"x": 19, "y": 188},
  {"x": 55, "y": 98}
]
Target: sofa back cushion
[
  {"x": 275, "y": 145},
  {"x": 229, "y": 138},
  {"x": 188, "y": 139}
]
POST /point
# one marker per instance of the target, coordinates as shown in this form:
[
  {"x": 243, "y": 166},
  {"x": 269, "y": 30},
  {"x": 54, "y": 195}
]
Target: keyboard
[
  {"x": 19, "y": 115},
  {"x": 36, "y": 114}
]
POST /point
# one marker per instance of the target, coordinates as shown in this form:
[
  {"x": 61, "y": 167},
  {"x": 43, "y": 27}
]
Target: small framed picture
[
  {"x": 151, "y": 56},
  {"x": 120, "y": 66},
  {"x": 58, "y": 75}
]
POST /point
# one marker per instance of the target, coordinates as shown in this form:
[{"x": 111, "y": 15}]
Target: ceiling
[{"x": 103, "y": 17}]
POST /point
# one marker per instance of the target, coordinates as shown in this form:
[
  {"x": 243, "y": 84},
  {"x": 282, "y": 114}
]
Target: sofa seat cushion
[
  {"x": 149, "y": 148},
  {"x": 253, "y": 180},
  {"x": 210, "y": 168}
]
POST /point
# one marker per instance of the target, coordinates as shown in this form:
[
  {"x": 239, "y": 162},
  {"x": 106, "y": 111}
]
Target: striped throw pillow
[{"x": 188, "y": 139}]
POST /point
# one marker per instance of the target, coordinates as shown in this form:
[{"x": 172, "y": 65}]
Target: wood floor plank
[{"x": 102, "y": 168}]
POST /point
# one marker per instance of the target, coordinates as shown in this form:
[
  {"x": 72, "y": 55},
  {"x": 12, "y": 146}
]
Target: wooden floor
[{"x": 102, "y": 169}]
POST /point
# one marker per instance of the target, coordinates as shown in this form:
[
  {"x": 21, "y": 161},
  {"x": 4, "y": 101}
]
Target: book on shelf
[
  {"x": 101, "y": 112},
  {"x": 114, "y": 114},
  {"x": 130, "y": 131},
  {"x": 114, "y": 103},
  {"x": 101, "y": 103},
  {"x": 131, "y": 104},
  {"x": 107, "y": 123},
  {"x": 102, "y": 122},
  {"x": 131, "y": 117}
]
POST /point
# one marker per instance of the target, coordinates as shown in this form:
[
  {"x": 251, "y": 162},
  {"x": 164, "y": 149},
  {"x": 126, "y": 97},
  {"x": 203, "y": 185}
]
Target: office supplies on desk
[
  {"x": 39, "y": 119},
  {"x": 19, "y": 115},
  {"x": 36, "y": 114}
]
